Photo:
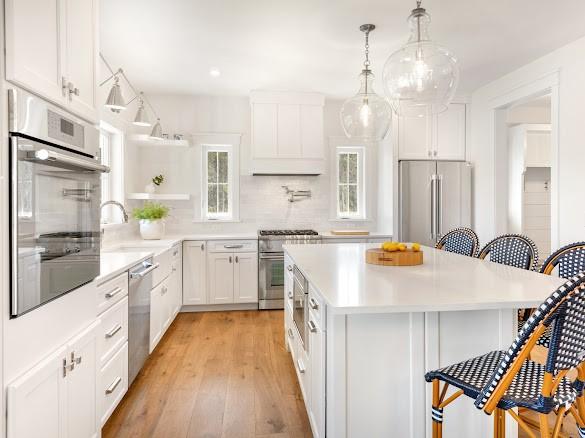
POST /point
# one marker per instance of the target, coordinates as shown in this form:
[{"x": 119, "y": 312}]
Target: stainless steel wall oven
[{"x": 55, "y": 194}]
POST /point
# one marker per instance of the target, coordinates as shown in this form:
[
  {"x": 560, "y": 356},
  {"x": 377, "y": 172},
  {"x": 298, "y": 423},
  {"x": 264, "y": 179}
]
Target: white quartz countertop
[
  {"x": 444, "y": 282},
  {"x": 114, "y": 263},
  {"x": 372, "y": 235}
]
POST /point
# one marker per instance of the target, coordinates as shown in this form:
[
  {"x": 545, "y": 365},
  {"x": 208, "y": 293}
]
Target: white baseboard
[{"x": 220, "y": 307}]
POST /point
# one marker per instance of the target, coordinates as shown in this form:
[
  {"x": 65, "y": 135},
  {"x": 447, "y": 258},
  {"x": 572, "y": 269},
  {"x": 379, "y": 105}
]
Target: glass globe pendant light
[
  {"x": 366, "y": 115},
  {"x": 420, "y": 78}
]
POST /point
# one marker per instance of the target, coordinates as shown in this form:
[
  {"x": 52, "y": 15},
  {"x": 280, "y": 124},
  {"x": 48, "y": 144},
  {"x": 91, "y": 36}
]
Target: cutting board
[
  {"x": 377, "y": 256},
  {"x": 350, "y": 232}
]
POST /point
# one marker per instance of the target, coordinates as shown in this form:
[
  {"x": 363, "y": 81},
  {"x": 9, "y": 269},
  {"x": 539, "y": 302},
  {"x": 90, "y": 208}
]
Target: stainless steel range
[{"x": 271, "y": 263}]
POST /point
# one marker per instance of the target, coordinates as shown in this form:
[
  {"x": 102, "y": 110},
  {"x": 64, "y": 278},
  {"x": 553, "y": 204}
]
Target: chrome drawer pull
[
  {"x": 113, "y": 332},
  {"x": 233, "y": 246},
  {"x": 313, "y": 303},
  {"x": 290, "y": 333},
  {"x": 114, "y": 292},
  {"x": 300, "y": 366},
  {"x": 113, "y": 386}
]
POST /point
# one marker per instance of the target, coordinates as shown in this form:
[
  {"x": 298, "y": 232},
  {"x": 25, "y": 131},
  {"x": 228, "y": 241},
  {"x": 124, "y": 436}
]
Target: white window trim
[
  {"x": 361, "y": 189},
  {"x": 116, "y": 176},
  {"x": 200, "y": 141}
]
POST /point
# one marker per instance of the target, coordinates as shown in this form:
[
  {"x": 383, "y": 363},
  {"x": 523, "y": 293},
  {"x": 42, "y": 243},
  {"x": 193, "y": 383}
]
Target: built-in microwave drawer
[
  {"x": 232, "y": 246},
  {"x": 112, "y": 291},
  {"x": 113, "y": 331},
  {"x": 113, "y": 383}
]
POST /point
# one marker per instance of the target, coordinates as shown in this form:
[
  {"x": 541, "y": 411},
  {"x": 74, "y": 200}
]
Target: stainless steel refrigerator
[{"x": 435, "y": 197}]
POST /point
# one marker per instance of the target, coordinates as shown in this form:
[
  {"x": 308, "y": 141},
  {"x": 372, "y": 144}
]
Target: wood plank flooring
[{"x": 216, "y": 374}]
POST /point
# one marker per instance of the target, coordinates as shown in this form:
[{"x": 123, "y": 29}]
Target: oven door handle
[
  {"x": 266, "y": 257},
  {"x": 44, "y": 155}
]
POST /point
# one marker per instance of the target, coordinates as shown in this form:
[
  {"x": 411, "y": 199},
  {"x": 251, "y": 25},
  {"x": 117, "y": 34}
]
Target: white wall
[
  {"x": 570, "y": 64},
  {"x": 528, "y": 114},
  {"x": 263, "y": 203}
]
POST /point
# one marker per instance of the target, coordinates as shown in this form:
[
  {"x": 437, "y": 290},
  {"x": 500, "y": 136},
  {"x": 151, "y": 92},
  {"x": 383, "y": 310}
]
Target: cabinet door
[
  {"x": 317, "y": 382},
  {"x": 37, "y": 401},
  {"x": 264, "y": 130},
  {"x": 167, "y": 305},
  {"x": 82, "y": 52},
  {"x": 246, "y": 278},
  {"x": 221, "y": 278},
  {"x": 289, "y": 131},
  {"x": 177, "y": 273},
  {"x": 312, "y": 138},
  {"x": 414, "y": 138},
  {"x": 81, "y": 385},
  {"x": 449, "y": 136},
  {"x": 194, "y": 273},
  {"x": 35, "y": 45},
  {"x": 156, "y": 316}
]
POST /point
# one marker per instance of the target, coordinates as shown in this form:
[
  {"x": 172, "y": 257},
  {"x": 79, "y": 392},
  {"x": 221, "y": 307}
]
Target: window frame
[
  {"x": 359, "y": 151},
  {"x": 112, "y": 182},
  {"x": 231, "y": 214}
]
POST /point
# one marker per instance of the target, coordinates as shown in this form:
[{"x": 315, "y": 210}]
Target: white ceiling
[{"x": 315, "y": 45}]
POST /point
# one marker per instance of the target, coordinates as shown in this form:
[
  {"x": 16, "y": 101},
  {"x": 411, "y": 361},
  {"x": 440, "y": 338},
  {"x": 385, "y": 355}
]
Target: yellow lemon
[
  {"x": 401, "y": 247},
  {"x": 416, "y": 247}
]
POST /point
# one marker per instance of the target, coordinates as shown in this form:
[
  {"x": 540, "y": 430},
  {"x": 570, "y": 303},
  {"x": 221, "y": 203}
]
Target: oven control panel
[{"x": 65, "y": 130}]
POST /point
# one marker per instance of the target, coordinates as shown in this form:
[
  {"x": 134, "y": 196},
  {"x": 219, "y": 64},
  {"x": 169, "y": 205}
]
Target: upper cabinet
[
  {"x": 52, "y": 51},
  {"x": 287, "y": 133},
  {"x": 440, "y": 137}
]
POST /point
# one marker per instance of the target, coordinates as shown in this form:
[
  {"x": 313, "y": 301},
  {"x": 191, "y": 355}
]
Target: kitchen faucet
[{"x": 117, "y": 204}]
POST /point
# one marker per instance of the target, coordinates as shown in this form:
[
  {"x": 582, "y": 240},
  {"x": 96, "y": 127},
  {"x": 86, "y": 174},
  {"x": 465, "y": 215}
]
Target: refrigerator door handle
[
  {"x": 433, "y": 207},
  {"x": 439, "y": 229}
]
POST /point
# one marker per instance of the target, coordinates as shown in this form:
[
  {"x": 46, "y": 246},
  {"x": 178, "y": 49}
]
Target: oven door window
[
  {"x": 272, "y": 277},
  {"x": 55, "y": 224}
]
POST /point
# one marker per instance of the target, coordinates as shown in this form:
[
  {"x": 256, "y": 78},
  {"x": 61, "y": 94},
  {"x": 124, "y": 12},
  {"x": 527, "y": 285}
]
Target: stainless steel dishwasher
[{"x": 139, "y": 316}]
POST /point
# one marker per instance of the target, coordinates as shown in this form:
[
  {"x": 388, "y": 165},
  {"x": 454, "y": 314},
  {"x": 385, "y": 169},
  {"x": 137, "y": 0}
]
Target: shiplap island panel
[{"x": 386, "y": 326}]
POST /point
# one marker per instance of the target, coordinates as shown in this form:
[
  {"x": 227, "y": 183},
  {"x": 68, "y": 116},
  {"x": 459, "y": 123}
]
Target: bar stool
[
  {"x": 501, "y": 380},
  {"x": 512, "y": 250},
  {"x": 461, "y": 241}
]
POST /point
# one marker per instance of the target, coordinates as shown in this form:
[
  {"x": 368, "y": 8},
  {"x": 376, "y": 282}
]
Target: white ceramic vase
[
  {"x": 152, "y": 229},
  {"x": 150, "y": 188}
]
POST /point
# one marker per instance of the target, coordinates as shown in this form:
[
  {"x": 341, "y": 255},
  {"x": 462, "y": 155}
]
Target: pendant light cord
[{"x": 367, "y": 60}]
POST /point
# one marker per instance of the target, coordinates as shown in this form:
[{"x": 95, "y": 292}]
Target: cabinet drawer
[
  {"x": 303, "y": 368},
  {"x": 113, "y": 383},
  {"x": 316, "y": 306},
  {"x": 113, "y": 330},
  {"x": 110, "y": 292},
  {"x": 232, "y": 246}
]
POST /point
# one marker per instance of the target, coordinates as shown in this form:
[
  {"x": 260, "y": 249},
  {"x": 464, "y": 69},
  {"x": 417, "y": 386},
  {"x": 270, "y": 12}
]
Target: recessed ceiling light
[{"x": 214, "y": 72}]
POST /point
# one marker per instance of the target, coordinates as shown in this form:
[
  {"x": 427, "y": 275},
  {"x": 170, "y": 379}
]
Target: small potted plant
[
  {"x": 155, "y": 182},
  {"x": 151, "y": 218}
]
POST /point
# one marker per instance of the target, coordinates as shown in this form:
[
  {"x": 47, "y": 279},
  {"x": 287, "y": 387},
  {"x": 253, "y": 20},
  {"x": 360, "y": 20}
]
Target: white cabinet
[
  {"x": 160, "y": 313},
  {"x": 316, "y": 364},
  {"x": 57, "y": 398},
  {"x": 438, "y": 137},
  {"x": 287, "y": 133},
  {"x": 246, "y": 278},
  {"x": 176, "y": 280},
  {"x": 233, "y": 276},
  {"x": 52, "y": 50},
  {"x": 221, "y": 278},
  {"x": 194, "y": 273}
]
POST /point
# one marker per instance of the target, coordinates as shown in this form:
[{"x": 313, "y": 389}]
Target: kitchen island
[{"x": 373, "y": 331}]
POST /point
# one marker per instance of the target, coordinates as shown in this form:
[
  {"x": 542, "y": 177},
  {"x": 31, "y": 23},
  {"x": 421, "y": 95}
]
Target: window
[
  {"x": 218, "y": 183},
  {"x": 350, "y": 183},
  {"x": 112, "y": 155}
]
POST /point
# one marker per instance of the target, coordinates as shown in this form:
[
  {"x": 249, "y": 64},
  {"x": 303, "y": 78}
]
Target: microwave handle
[{"x": 57, "y": 157}]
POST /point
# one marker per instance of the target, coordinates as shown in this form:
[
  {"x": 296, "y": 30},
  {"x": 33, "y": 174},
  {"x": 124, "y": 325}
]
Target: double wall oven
[
  {"x": 271, "y": 263},
  {"x": 54, "y": 202}
]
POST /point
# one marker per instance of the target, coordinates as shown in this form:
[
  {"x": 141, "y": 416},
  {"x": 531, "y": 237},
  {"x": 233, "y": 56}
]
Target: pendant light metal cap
[
  {"x": 115, "y": 100},
  {"x": 156, "y": 132}
]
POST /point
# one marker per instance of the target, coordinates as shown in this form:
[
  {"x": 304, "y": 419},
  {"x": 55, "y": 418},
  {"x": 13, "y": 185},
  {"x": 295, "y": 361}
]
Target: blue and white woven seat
[
  {"x": 501, "y": 380},
  {"x": 472, "y": 375},
  {"x": 462, "y": 241}
]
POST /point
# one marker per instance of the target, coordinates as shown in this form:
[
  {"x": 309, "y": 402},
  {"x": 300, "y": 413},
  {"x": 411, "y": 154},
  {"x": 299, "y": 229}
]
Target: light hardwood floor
[{"x": 215, "y": 374}]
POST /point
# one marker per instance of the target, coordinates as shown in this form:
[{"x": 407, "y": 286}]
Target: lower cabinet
[
  {"x": 112, "y": 383},
  {"x": 194, "y": 273},
  {"x": 161, "y": 312},
  {"x": 57, "y": 398},
  {"x": 233, "y": 277},
  {"x": 317, "y": 384}
]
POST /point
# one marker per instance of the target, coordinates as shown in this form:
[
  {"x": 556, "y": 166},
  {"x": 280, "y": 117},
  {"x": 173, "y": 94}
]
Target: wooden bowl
[{"x": 377, "y": 256}]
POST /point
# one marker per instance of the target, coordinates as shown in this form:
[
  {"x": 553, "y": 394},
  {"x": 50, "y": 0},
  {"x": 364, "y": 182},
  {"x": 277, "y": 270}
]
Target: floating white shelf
[
  {"x": 145, "y": 140},
  {"x": 159, "y": 196}
]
